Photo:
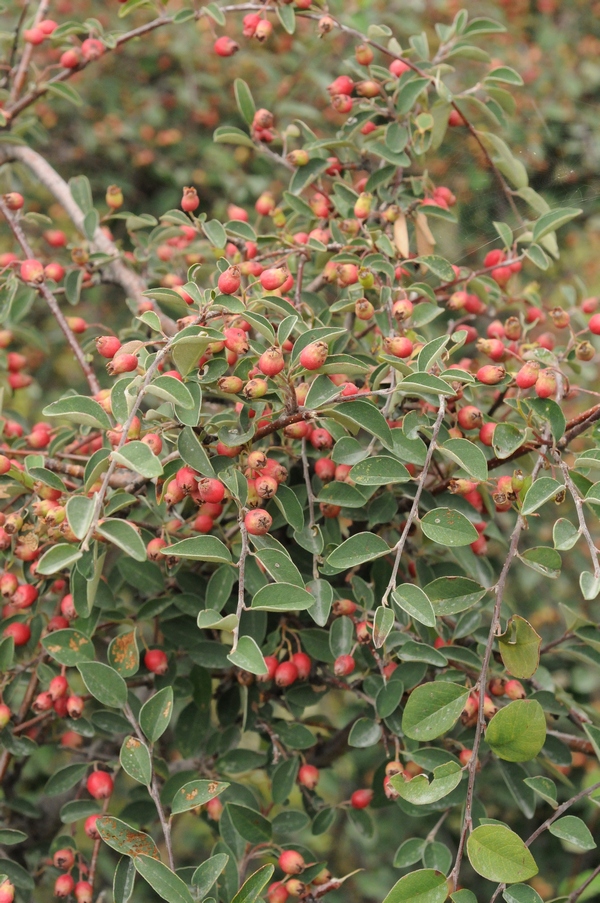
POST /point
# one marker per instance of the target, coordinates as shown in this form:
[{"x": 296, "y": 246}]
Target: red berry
[
  {"x": 286, "y": 674},
  {"x": 92, "y": 49},
  {"x": 34, "y": 35},
  {"x": 273, "y": 278},
  {"x": 490, "y": 375},
  {"x": 258, "y": 522},
  {"x": 75, "y": 707},
  {"x": 64, "y": 859},
  {"x": 64, "y": 886},
  {"x": 314, "y": 355},
  {"x": 514, "y": 689},
  {"x": 14, "y": 201},
  {"x": 58, "y": 687},
  {"x": 291, "y": 862},
  {"x": 343, "y": 665},
  {"x": 470, "y": 417},
  {"x": 272, "y": 664},
  {"x": 325, "y": 469},
  {"x": 156, "y": 661},
  {"x": 229, "y": 281},
  {"x": 277, "y": 892},
  {"x": 210, "y": 490},
  {"x": 5, "y": 715},
  {"x": 303, "y": 663},
  {"x": 225, "y": 46},
  {"x": 203, "y": 523},
  {"x": 360, "y": 799},
  {"x": 100, "y": 785},
  {"x": 271, "y": 362},
  {"x": 594, "y": 324},
  {"x": 321, "y": 438},
  {"x": 70, "y": 59},
  {"x": 90, "y": 826},
  {"x": 20, "y": 633},
  {"x": 7, "y": 893},
  {"x": 24, "y": 596},
  {"x": 308, "y": 776},
  {"x": 83, "y": 892},
  {"x": 32, "y": 271},
  {"x": 122, "y": 363}
]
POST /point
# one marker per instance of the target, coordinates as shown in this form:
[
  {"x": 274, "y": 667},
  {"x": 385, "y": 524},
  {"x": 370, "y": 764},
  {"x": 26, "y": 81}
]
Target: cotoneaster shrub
[{"x": 278, "y": 564}]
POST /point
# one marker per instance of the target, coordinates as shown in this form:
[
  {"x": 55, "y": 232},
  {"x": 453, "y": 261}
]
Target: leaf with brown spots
[
  {"x": 123, "y": 654},
  {"x": 125, "y": 839}
]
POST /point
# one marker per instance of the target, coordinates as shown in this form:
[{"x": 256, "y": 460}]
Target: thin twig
[
  {"x": 52, "y": 303},
  {"x": 575, "y": 895},
  {"x": 549, "y": 821},
  {"x": 310, "y": 501},
  {"x": 153, "y": 790},
  {"x": 414, "y": 511},
  {"x": 21, "y": 73},
  {"x": 578, "y": 502},
  {"x": 241, "y": 603},
  {"x": 499, "y": 596}
]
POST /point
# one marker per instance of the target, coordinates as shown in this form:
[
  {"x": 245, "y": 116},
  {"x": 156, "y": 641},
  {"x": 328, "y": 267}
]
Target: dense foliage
[{"x": 299, "y": 453}]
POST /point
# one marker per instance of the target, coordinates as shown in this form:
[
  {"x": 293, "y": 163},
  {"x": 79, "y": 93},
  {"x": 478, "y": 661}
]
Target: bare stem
[
  {"x": 21, "y": 73},
  {"x": 578, "y": 501},
  {"x": 154, "y": 791},
  {"x": 241, "y": 603},
  {"x": 414, "y": 511},
  {"x": 575, "y": 895},
  {"x": 499, "y": 596},
  {"x": 52, "y": 302},
  {"x": 311, "y": 502}
]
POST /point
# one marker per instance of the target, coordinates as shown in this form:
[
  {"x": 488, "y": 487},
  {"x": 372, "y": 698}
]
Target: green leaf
[
  {"x": 408, "y": 94},
  {"x": 193, "y": 453},
  {"x": 245, "y": 101},
  {"x": 125, "y": 839},
  {"x": 506, "y": 162},
  {"x": 227, "y": 134},
  {"x": 280, "y": 566},
  {"x": 594, "y": 737},
  {"x": 379, "y": 470},
  {"x": 252, "y": 887},
  {"x": 415, "y": 603},
  {"x": 9, "y": 836},
  {"x": 123, "y": 880},
  {"x": 248, "y": 656},
  {"x": 382, "y": 625},
  {"x": 200, "y": 548},
  {"x": 438, "y": 265},
  {"x": 448, "y": 527},
  {"x": 81, "y": 410},
  {"x": 139, "y": 457},
  {"x": 554, "y": 219},
  {"x": 135, "y": 760},
  {"x": 574, "y": 832},
  {"x": 124, "y": 535},
  {"x": 161, "y": 879},
  {"x": 364, "y": 733},
  {"x": 104, "y": 683},
  {"x": 507, "y": 439},
  {"x": 498, "y": 854},
  {"x": 252, "y": 826},
  {"x": 196, "y": 793},
  {"x": 215, "y": 232},
  {"x": 156, "y": 713},
  {"x": 65, "y": 92},
  {"x": 168, "y": 388},
  {"x": 549, "y": 413},
  {"x": 206, "y": 874},
  {"x": 357, "y": 549},
  {"x": 483, "y": 26},
  {"x": 564, "y": 535},
  {"x": 57, "y": 558},
  {"x": 80, "y": 510},
  {"x": 287, "y": 502},
  {"x": 468, "y": 456},
  {"x": 432, "y": 709},
  {"x": 541, "y": 491},
  {"x": 520, "y": 648},
  {"x": 82, "y": 192},
  {"x": 305, "y": 175},
  {"x": 517, "y": 732},
  {"x": 68, "y": 647},
  {"x": 91, "y": 223},
  {"x": 544, "y": 787},
  {"x": 544, "y": 560},
  {"x": 521, "y": 893},
  {"x": 65, "y": 778},
  {"x": 504, "y": 74},
  {"x": 420, "y": 792},
  {"x": 422, "y": 886},
  {"x": 451, "y": 595},
  {"x": 282, "y": 597},
  {"x": 341, "y": 493},
  {"x": 287, "y": 17},
  {"x": 366, "y": 416}
]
